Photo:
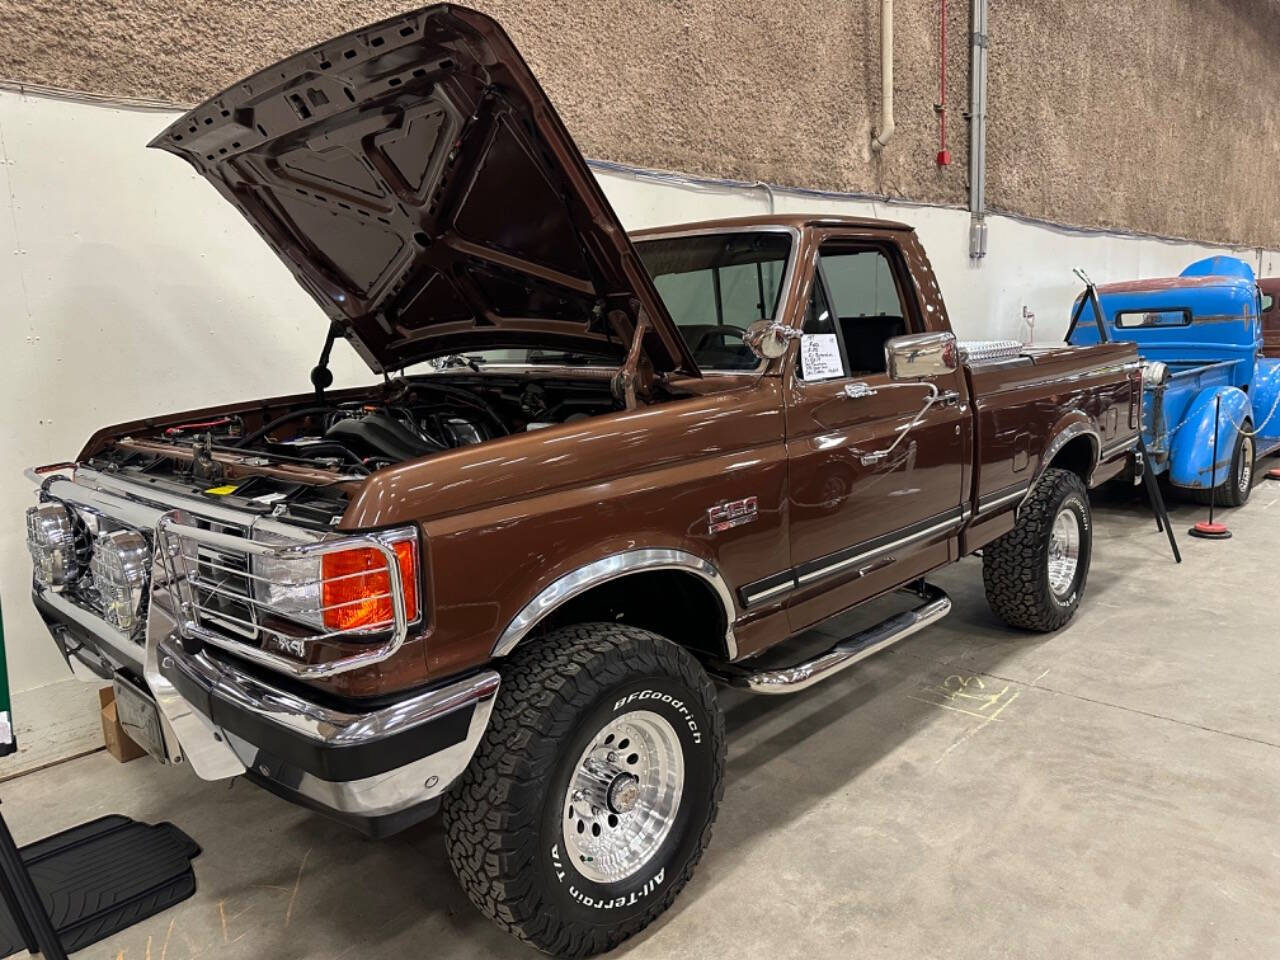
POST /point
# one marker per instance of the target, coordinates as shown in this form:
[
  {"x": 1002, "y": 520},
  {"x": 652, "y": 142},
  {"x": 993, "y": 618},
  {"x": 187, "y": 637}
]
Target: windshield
[{"x": 715, "y": 286}]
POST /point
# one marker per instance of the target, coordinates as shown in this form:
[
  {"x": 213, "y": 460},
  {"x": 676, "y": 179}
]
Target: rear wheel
[
  {"x": 592, "y": 795},
  {"x": 1035, "y": 574}
]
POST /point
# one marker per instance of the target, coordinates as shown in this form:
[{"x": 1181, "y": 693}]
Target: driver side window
[{"x": 863, "y": 312}]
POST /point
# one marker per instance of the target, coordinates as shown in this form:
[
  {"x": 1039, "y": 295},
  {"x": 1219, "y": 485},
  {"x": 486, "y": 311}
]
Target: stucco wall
[
  {"x": 753, "y": 89},
  {"x": 1159, "y": 116}
]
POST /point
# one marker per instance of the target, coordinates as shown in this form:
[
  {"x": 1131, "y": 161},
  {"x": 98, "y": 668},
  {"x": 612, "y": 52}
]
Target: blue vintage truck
[{"x": 1200, "y": 337}]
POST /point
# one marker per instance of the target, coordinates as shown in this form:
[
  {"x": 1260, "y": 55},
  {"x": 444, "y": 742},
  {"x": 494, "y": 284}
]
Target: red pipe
[{"x": 944, "y": 155}]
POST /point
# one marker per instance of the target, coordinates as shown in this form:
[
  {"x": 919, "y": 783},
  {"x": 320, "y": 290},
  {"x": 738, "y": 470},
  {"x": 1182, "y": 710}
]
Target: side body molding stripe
[{"x": 611, "y": 568}]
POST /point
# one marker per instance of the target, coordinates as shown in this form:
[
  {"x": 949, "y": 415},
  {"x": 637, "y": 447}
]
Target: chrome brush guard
[{"x": 210, "y": 577}]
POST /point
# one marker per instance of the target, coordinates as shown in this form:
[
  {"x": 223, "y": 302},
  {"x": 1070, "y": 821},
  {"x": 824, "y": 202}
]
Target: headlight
[
  {"x": 1154, "y": 374},
  {"x": 119, "y": 571},
  {"x": 289, "y": 587},
  {"x": 341, "y": 590},
  {"x": 51, "y": 538}
]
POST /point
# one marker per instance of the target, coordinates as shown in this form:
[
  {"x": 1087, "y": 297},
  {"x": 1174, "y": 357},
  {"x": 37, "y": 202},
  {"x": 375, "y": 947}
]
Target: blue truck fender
[
  {"x": 1266, "y": 401},
  {"x": 1191, "y": 455}
]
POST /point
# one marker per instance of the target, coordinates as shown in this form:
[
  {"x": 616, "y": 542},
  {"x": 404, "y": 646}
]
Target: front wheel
[
  {"x": 592, "y": 795},
  {"x": 1035, "y": 574}
]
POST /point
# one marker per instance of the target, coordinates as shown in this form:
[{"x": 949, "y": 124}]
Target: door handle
[
  {"x": 859, "y": 389},
  {"x": 948, "y": 398}
]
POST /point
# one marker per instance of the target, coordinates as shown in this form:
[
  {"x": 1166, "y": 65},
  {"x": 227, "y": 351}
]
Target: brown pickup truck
[{"x": 598, "y": 473}]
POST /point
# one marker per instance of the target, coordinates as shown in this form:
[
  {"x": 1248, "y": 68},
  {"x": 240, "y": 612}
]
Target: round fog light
[{"x": 119, "y": 569}]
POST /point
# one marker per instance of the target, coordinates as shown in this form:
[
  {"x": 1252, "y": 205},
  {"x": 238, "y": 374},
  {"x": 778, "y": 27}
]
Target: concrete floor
[{"x": 1117, "y": 796}]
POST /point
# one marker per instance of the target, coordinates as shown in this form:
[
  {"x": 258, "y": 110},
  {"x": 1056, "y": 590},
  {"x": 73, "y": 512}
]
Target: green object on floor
[{"x": 8, "y": 743}]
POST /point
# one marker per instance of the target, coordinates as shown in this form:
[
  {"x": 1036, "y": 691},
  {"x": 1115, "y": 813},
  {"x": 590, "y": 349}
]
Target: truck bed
[{"x": 1019, "y": 405}]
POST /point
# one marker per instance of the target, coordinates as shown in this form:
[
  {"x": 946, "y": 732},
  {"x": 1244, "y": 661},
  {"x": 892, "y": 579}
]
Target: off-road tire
[
  {"x": 504, "y": 820},
  {"x": 1235, "y": 490},
  {"x": 1015, "y": 568}
]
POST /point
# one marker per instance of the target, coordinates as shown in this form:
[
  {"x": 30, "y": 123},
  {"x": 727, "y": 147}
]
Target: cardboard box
[{"x": 118, "y": 743}]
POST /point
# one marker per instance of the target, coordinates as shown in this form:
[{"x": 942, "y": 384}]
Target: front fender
[
  {"x": 1266, "y": 399},
  {"x": 1191, "y": 449}
]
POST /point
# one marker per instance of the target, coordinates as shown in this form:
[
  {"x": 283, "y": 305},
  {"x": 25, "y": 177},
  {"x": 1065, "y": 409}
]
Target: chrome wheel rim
[
  {"x": 1064, "y": 552},
  {"x": 1246, "y": 465},
  {"x": 623, "y": 796}
]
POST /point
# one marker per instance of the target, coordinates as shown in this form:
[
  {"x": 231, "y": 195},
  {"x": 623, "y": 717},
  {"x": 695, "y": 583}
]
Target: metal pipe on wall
[
  {"x": 883, "y": 135},
  {"x": 944, "y": 155},
  {"x": 978, "y": 133}
]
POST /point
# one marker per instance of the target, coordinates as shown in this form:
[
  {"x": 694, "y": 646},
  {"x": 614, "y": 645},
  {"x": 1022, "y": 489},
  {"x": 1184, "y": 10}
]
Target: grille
[{"x": 222, "y": 585}]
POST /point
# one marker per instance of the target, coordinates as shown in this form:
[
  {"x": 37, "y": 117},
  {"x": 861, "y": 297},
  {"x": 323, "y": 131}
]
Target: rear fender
[{"x": 1191, "y": 451}]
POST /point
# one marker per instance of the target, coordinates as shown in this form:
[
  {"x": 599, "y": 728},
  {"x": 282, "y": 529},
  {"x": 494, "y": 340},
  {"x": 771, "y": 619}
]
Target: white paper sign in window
[{"x": 820, "y": 357}]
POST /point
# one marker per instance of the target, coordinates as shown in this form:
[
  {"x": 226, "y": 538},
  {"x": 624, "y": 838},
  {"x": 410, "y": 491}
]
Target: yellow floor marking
[
  {"x": 967, "y": 713},
  {"x": 168, "y": 933},
  {"x": 288, "y": 914},
  {"x": 1005, "y": 704}
]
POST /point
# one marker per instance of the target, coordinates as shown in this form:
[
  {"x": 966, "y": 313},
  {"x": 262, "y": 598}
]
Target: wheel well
[
  {"x": 1077, "y": 456},
  {"x": 680, "y": 606}
]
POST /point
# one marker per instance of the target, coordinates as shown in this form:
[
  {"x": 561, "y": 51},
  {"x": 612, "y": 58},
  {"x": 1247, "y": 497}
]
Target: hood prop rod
[{"x": 321, "y": 375}]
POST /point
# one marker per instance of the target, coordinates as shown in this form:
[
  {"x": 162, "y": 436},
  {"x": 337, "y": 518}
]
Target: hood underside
[{"x": 417, "y": 181}]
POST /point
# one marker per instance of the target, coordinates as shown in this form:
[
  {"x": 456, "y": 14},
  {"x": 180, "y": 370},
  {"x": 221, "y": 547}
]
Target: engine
[{"x": 359, "y": 432}]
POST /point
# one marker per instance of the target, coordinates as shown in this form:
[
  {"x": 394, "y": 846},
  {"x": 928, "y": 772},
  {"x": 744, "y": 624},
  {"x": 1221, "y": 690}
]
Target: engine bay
[{"x": 295, "y": 457}]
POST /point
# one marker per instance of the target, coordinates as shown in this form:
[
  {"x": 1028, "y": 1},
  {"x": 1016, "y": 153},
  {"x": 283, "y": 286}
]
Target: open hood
[{"x": 415, "y": 178}]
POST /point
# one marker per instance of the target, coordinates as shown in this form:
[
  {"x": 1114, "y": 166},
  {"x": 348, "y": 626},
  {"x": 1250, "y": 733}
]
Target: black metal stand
[
  {"x": 1157, "y": 500},
  {"x": 23, "y": 900}
]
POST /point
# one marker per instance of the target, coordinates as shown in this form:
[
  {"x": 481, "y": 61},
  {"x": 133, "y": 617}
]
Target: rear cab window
[{"x": 1129, "y": 319}]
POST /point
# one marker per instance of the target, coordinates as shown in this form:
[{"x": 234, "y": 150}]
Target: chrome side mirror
[
  {"x": 918, "y": 356},
  {"x": 768, "y": 339}
]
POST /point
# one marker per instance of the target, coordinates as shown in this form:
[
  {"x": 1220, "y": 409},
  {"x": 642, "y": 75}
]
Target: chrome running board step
[{"x": 847, "y": 652}]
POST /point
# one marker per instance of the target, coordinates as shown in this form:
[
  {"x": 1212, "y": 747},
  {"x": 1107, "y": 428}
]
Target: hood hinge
[{"x": 635, "y": 378}]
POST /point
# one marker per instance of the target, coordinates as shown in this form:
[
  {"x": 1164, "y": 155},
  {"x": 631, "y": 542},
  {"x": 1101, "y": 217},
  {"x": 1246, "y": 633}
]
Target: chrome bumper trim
[
  {"x": 118, "y": 647},
  {"x": 335, "y": 728},
  {"x": 397, "y": 789}
]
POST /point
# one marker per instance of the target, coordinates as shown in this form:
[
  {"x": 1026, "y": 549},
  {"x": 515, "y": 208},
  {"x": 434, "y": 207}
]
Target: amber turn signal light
[{"x": 357, "y": 590}]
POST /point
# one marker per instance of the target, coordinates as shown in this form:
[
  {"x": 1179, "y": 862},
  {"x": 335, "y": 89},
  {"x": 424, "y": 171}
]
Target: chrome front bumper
[{"x": 363, "y": 766}]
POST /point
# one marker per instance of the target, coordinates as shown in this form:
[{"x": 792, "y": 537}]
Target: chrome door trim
[
  {"x": 999, "y": 498},
  {"x": 953, "y": 522},
  {"x": 791, "y": 579},
  {"x": 581, "y": 580}
]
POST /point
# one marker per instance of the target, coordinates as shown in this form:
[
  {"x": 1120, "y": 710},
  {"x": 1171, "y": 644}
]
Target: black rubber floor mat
[{"x": 103, "y": 876}]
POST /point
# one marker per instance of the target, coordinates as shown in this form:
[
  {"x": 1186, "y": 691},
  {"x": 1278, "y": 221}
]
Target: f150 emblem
[{"x": 735, "y": 513}]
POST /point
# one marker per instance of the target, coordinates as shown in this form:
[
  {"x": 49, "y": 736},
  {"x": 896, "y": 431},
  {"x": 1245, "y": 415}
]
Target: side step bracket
[{"x": 847, "y": 652}]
